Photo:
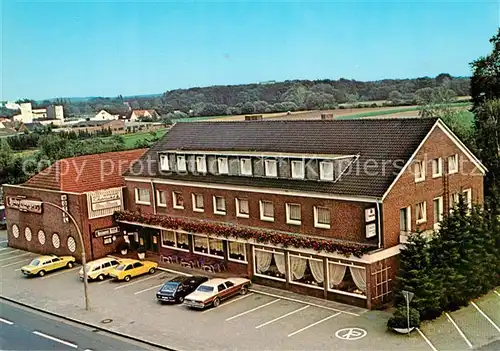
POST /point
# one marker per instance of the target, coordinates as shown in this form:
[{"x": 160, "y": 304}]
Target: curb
[{"x": 89, "y": 325}]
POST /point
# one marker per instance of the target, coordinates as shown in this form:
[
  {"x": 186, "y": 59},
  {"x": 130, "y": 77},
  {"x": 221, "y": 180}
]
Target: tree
[
  {"x": 247, "y": 108},
  {"x": 395, "y": 97},
  {"x": 443, "y": 78}
]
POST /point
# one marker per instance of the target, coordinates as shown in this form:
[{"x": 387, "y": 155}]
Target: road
[{"x": 23, "y": 329}]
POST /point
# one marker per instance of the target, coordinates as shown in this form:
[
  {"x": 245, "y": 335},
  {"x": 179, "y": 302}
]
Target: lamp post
[
  {"x": 408, "y": 295},
  {"x": 84, "y": 262}
]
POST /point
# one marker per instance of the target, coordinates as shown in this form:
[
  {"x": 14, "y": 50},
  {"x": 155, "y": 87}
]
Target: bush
[
  {"x": 399, "y": 318},
  {"x": 122, "y": 246}
]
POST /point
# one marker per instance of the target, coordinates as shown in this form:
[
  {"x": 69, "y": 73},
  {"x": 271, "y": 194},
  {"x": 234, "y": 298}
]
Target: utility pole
[{"x": 408, "y": 295}]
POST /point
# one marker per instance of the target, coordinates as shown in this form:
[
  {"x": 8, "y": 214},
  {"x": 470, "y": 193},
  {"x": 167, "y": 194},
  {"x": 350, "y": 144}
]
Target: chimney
[
  {"x": 327, "y": 117},
  {"x": 253, "y": 118}
]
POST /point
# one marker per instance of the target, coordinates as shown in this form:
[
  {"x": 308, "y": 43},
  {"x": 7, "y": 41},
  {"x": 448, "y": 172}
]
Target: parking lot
[{"x": 258, "y": 320}]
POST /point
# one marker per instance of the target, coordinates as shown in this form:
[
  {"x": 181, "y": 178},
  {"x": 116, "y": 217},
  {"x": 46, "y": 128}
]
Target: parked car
[
  {"x": 213, "y": 291},
  {"x": 3, "y": 222},
  {"x": 176, "y": 289},
  {"x": 99, "y": 269},
  {"x": 44, "y": 264},
  {"x": 129, "y": 268}
]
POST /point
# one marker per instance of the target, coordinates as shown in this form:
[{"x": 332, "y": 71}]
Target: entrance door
[{"x": 151, "y": 240}]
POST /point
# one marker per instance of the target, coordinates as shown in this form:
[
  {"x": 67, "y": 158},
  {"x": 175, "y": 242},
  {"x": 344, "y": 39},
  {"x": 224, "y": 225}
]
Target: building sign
[
  {"x": 371, "y": 230},
  {"x": 370, "y": 214},
  {"x": 24, "y": 205},
  {"x": 106, "y": 231},
  {"x": 105, "y": 202},
  {"x": 108, "y": 240},
  {"x": 64, "y": 205}
]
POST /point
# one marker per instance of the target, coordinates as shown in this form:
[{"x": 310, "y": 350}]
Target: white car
[
  {"x": 99, "y": 269},
  {"x": 213, "y": 291}
]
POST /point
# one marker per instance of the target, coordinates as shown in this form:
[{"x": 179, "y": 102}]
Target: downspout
[
  {"x": 379, "y": 228},
  {"x": 153, "y": 192}
]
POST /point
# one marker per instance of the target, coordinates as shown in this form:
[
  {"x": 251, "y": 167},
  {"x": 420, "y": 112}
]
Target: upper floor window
[
  {"x": 181, "y": 163},
  {"x": 266, "y": 211},
  {"x": 222, "y": 165},
  {"x": 161, "y": 198},
  {"x": 454, "y": 197},
  {"x": 242, "y": 209},
  {"x": 453, "y": 164},
  {"x": 297, "y": 169},
  {"x": 197, "y": 202},
  {"x": 246, "y": 166},
  {"x": 437, "y": 167},
  {"x": 293, "y": 214},
  {"x": 326, "y": 170},
  {"x": 142, "y": 196},
  {"x": 437, "y": 205},
  {"x": 219, "y": 205},
  {"x": 419, "y": 171},
  {"x": 322, "y": 217},
  {"x": 421, "y": 212},
  {"x": 164, "y": 166},
  {"x": 201, "y": 164},
  {"x": 178, "y": 200},
  {"x": 271, "y": 168},
  {"x": 468, "y": 197}
]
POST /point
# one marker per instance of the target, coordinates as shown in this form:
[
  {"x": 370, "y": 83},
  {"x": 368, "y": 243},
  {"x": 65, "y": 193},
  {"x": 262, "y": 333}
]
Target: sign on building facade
[
  {"x": 24, "y": 205},
  {"x": 103, "y": 203}
]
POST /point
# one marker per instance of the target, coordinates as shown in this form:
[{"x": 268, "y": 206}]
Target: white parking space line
[
  {"x": 312, "y": 325},
  {"x": 138, "y": 281},
  {"x": 485, "y": 316},
  {"x": 151, "y": 288},
  {"x": 459, "y": 330},
  {"x": 227, "y": 303},
  {"x": 426, "y": 340},
  {"x": 64, "y": 342},
  {"x": 281, "y": 317},
  {"x": 8, "y": 253},
  {"x": 6, "y": 321},
  {"x": 17, "y": 262},
  {"x": 17, "y": 256},
  {"x": 4, "y": 248},
  {"x": 105, "y": 281},
  {"x": 175, "y": 272},
  {"x": 253, "y": 309},
  {"x": 59, "y": 273},
  {"x": 496, "y": 292}
]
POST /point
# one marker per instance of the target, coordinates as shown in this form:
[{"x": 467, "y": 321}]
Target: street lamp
[
  {"x": 84, "y": 262},
  {"x": 408, "y": 295}
]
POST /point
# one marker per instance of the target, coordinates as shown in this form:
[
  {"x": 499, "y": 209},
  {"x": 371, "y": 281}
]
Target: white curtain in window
[
  {"x": 262, "y": 260},
  {"x": 279, "y": 258},
  {"x": 359, "y": 277},
  {"x": 317, "y": 270},
  {"x": 298, "y": 267},
  {"x": 336, "y": 274}
]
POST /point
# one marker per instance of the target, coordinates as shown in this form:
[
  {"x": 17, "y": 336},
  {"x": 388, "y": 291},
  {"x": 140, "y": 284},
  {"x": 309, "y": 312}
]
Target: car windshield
[
  {"x": 205, "y": 288},
  {"x": 120, "y": 267},
  {"x": 35, "y": 263},
  {"x": 169, "y": 286}
]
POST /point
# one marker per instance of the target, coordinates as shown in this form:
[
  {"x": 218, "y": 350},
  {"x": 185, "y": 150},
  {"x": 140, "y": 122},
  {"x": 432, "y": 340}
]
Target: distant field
[{"x": 131, "y": 139}]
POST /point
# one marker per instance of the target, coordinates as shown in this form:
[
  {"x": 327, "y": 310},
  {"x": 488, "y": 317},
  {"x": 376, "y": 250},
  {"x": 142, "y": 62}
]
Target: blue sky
[{"x": 106, "y": 48}]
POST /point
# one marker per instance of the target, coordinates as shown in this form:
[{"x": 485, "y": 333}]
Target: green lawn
[{"x": 131, "y": 139}]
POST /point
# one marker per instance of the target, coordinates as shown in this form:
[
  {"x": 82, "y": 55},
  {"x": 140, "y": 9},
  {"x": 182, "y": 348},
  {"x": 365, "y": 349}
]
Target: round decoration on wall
[
  {"x": 41, "y": 237},
  {"x": 27, "y": 233},
  {"x": 56, "y": 241},
  {"x": 15, "y": 231},
  {"x": 71, "y": 244}
]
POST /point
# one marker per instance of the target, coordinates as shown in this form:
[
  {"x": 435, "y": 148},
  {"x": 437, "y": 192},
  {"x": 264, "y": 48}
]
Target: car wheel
[
  {"x": 100, "y": 277},
  {"x": 41, "y": 273},
  {"x": 127, "y": 278},
  {"x": 244, "y": 290},
  {"x": 216, "y": 302},
  {"x": 180, "y": 299},
  {"x": 70, "y": 265},
  {"x": 152, "y": 270}
]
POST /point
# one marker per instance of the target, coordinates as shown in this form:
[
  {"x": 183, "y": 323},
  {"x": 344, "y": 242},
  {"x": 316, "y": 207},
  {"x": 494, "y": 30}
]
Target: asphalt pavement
[{"x": 22, "y": 329}]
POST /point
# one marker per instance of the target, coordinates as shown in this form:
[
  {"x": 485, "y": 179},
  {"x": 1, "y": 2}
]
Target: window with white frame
[
  {"x": 168, "y": 238},
  {"x": 222, "y": 165},
  {"x": 178, "y": 200},
  {"x": 237, "y": 251},
  {"x": 208, "y": 246},
  {"x": 454, "y": 197},
  {"x": 297, "y": 169},
  {"x": 326, "y": 170},
  {"x": 142, "y": 196},
  {"x": 175, "y": 240},
  {"x": 437, "y": 167},
  {"x": 453, "y": 164},
  {"x": 322, "y": 217},
  {"x": 246, "y": 166},
  {"x": 421, "y": 212},
  {"x": 271, "y": 168},
  {"x": 266, "y": 211},
  {"x": 242, "y": 208},
  {"x": 306, "y": 270},
  {"x": 437, "y": 206},
  {"x": 419, "y": 171},
  {"x": 348, "y": 279},
  {"x": 181, "y": 163},
  {"x": 293, "y": 214},
  {"x": 201, "y": 164},
  {"x": 269, "y": 263},
  {"x": 219, "y": 205},
  {"x": 468, "y": 197},
  {"x": 198, "y": 205},
  {"x": 405, "y": 220},
  {"x": 161, "y": 198},
  {"x": 164, "y": 166}
]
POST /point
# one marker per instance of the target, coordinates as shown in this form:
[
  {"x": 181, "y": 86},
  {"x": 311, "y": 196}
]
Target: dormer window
[
  {"x": 246, "y": 166},
  {"x": 181, "y": 163},
  {"x": 222, "y": 165},
  {"x": 297, "y": 169},
  {"x": 201, "y": 164},
  {"x": 164, "y": 166},
  {"x": 326, "y": 170},
  {"x": 271, "y": 168},
  {"x": 453, "y": 164}
]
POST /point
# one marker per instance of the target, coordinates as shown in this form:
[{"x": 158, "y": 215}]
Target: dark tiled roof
[{"x": 390, "y": 140}]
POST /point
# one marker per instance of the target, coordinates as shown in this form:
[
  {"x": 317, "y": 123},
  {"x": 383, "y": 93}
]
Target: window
[
  {"x": 138, "y": 265},
  {"x": 237, "y": 251},
  {"x": 405, "y": 220},
  {"x": 221, "y": 287},
  {"x": 181, "y": 163},
  {"x": 271, "y": 168},
  {"x": 266, "y": 211},
  {"x": 142, "y": 196},
  {"x": 293, "y": 215},
  {"x": 161, "y": 198},
  {"x": 326, "y": 170},
  {"x": 322, "y": 217},
  {"x": 175, "y": 240},
  {"x": 347, "y": 279},
  {"x": 453, "y": 164},
  {"x": 219, "y": 205},
  {"x": 437, "y": 167},
  {"x": 229, "y": 284},
  {"x": 242, "y": 209},
  {"x": 437, "y": 206},
  {"x": 419, "y": 171},
  {"x": 222, "y": 165},
  {"x": 454, "y": 200},
  {"x": 168, "y": 238},
  {"x": 306, "y": 271},
  {"x": 297, "y": 169},
  {"x": 197, "y": 202},
  {"x": 164, "y": 166},
  {"x": 246, "y": 166},
  {"x": 269, "y": 263},
  {"x": 468, "y": 197},
  {"x": 421, "y": 212},
  {"x": 201, "y": 164},
  {"x": 208, "y": 246},
  {"x": 178, "y": 200}
]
